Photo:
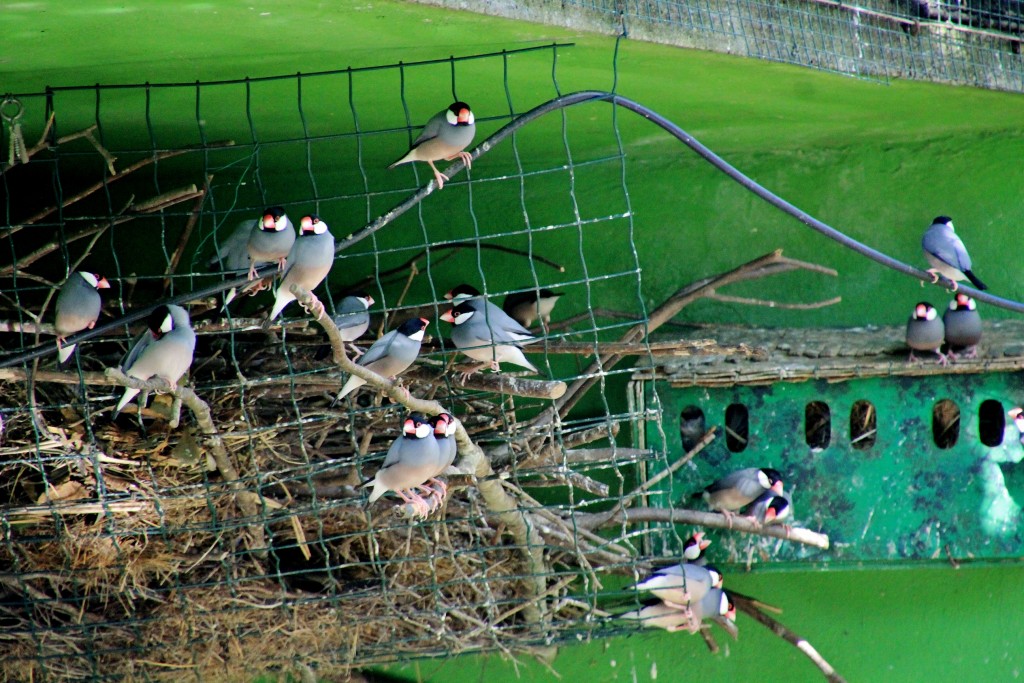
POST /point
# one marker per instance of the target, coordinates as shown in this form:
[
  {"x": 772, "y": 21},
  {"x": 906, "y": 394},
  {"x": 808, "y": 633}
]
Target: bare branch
[
  {"x": 713, "y": 520},
  {"x": 748, "y": 605},
  {"x": 775, "y": 304}
]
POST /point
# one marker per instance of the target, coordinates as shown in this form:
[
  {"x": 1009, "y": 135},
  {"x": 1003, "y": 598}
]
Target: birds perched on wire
[
  {"x": 164, "y": 349},
  {"x": 925, "y": 332},
  {"x": 740, "y": 488},
  {"x": 391, "y": 355},
  {"x": 962, "y": 324},
  {"x": 410, "y": 462},
  {"x": 534, "y": 304},
  {"x": 445, "y": 136},
  {"x": 946, "y": 253},
  {"x": 308, "y": 262},
  {"x": 78, "y": 308}
]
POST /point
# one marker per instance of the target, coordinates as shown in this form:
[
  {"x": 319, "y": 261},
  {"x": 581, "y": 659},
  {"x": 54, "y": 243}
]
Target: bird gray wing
[
  {"x": 233, "y": 253},
  {"x": 378, "y": 349},
  {"x": 947, "y": 246},
  {"x": 78, "y": 305},
  {"x": 138, "y": 346},
  {"x": 432, "y": 129},
  {"x": 740, "y": 479}
]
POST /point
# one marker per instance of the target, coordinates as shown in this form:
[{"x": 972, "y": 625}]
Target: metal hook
[{"x": 11, "y": 111}]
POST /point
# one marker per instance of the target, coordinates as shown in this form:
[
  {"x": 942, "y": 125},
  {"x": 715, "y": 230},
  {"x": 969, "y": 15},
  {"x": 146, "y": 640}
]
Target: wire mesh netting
[
  {"x": 165, "y": 544},
  {"x": 969, "y": 43}
]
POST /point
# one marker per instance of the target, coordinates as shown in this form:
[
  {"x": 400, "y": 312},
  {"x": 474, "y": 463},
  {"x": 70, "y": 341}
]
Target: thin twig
[
  {"x": 748, "y": 605},
  {"x": 775, "y": 304}
]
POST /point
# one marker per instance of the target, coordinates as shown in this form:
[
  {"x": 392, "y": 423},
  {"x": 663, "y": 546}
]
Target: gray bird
[
  {"x": 715, "y": 604},
  {"x": 485, "y": 340},
  {"x": 78, "y": 308},
  {"x": 447, "y": 134},
  {"x": 740, "y": 488},
  {"x": 164, "y": 350},
  {"x": 391, "y": 355},
  {"x": 270, "y": 240},
  {"x": 925, "y": 331},
  {"x": 771, "y": 508},
  {"x": 232, "y": 255},
  {"x": 525, "y": 307},
  {"x": 410, "y": 462},
  {"x": 946, "y": 253},
  {"x": 352, "y": 316},
  {"x": 963, "y": 327},
  {"x": 309, "y": 261},
  {"x": 495, "y": 316},
  {"x": 681, "y": 584},
  {"x": 444, "y": 433}
]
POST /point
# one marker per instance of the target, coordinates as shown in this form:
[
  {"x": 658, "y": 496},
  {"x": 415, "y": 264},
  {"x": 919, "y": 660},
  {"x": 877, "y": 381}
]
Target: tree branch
[{"x": 748, "y": 605}]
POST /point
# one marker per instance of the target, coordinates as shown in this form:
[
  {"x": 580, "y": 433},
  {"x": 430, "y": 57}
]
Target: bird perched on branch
[
  {"x": 309, "y": 262},
  {"x": 485, "y": 340},
  {"x": 770, "y": 508},
  {"x": 410, "y": 462},
  {"x": 391, "y": 355},
  {"x": 715, "y": 604},
  {"x": 525, "y": 307},
  {"x": 164, "y": 350},
  {"x": 962, "y": 324},
  {"x": 270, "y": 240},
  {"x": 444, "y": 433},
  {"x": 925, "y": 331},
  {"x": 447, "y": 134},
  {"x": 78, "y": 308},
  {"x": 352, "y": 316},
  {"x": 694, "y": 547},
  {"x": 946, "y": 253},
  {"x": 232, "y": 255},
  {"x": 740, "y": 488},
  {"x": 680, "y": 584}
]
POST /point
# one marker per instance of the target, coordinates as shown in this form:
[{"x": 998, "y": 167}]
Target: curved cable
[{"x": 555, "y": 104}]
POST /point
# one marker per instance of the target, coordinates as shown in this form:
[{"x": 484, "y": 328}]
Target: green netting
[{"x": 129, "y": 550}]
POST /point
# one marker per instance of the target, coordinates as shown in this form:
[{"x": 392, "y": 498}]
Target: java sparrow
[
  {"x": 681, "y": 583},
  {"x": 771, "y": 508},
  {"x": 483, "y": 340},
  {"x": 78, "y": 308},
  {"x": 525, "y": 307},
  {"x": 233, "y": 253},
  {"x": 164, "y": 350},
  {"x": 391, "y": 355},
  {"x": 925, "y": 331},
  {"x": 352, "y": 316},
  {"x": 271, "y": 239},
  {"x": 410, "y": 462},
  {"x": 444, "y": 434},
  {"x": 447, "y": 134},
  {"x": 963, "y": 326},
  {"x": 716, "y": 603},
  {"x": 694, "y": 547},
  {"x": 946, "y": 253},
  {"x": 495, "y": 316},
  {"x": 309, "y": 261},
  {"x": 740, "y": 488}
]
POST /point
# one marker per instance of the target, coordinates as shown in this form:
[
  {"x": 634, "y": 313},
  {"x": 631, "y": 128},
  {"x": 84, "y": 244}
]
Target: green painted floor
[{"x": 876, "y": 161}]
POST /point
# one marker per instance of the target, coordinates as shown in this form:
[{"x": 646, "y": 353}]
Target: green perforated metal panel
[{"x": 902, "y": 498}]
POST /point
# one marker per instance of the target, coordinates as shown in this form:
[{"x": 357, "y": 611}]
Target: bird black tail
[{"x": 974, "y": 280}]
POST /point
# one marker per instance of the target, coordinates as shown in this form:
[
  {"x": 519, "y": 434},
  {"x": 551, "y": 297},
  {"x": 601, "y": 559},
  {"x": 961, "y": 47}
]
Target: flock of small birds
[
  {"x": 960, "y": 326},
  {"x": 483, "y": 332},
  {"x": 684, "y": 595}
]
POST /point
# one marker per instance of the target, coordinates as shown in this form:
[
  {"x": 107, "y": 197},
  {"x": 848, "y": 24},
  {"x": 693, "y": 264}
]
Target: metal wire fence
[
  {"x": 161, "y": 545},
  {"x": 968, "y": 43}
]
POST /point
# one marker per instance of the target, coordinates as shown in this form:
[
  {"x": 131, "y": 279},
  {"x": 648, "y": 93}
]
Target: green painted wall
[{"x": 876, "y": 161}]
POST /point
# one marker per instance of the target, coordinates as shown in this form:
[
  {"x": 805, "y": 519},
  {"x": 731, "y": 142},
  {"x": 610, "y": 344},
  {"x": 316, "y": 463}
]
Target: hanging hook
[{"x": 11, "y": 111}]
